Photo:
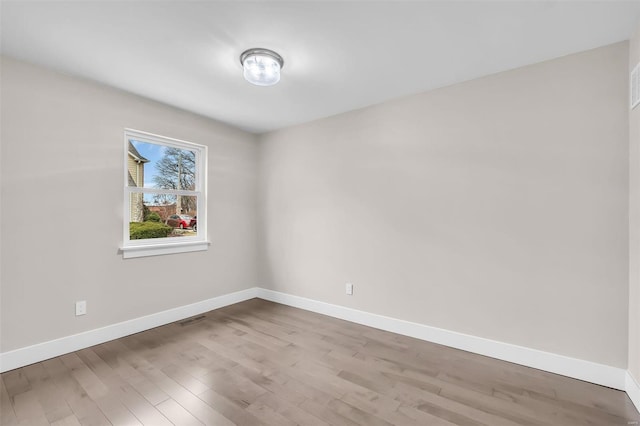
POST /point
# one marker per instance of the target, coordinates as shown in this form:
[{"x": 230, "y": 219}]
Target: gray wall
[
  {"x": 497, "y": 207},
  {"x": 62, "y": 208},
  {"x": 634, "y": 222}
]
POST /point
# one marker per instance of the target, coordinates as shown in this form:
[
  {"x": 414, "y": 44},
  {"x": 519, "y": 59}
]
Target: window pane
[
  {"x": 153, "y": 165},
  {"x": 162, "y": 216},
  {"x": 164, "y": 184}
]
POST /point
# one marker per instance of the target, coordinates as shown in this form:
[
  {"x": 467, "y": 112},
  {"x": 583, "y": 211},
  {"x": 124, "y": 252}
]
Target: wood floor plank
[
  {"x": 355, "y": 414},
  {"x": 53, "y": 404},
  {"x": 7, "y": 414},
  {"x": 15, "y": 382},
  {"x": 327, "y": 413},
  {"x": 258, "y": 363},
  {"x": 382, "y": 411},
  {"x": 268, "y": 415},
  {"x": 28, "y": 409},
  {"x": 289, "y": 410},
  {"x": 70, "y": 420},
  {"x": 84, "y": 408},
  {"x": 186, "y": 380},
  {"x": 232, "y": 411},
  {"x": 144, "y": 411},
  {"x": 198, "y": 408},
  {"x": 129, "y": 374},
  {"x": 297, "y": 390},
  {"x": 424, "y": 418},
  {"x": 177, "y": 414},
  {"x": 91, "y": 384}
]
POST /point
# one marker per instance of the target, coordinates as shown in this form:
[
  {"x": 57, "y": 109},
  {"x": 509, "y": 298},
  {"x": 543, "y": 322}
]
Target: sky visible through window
[
  {"x": 162, "y": 170},
  {"x": 152, "y": 152}
]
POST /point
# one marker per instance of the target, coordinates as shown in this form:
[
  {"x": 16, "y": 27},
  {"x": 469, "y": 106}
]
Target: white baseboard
[
  {"x": 42, "y": 351},
  {"x": 633, "y": 390},
  {"x": 571, "y": 367},
  {"x": 613, "y": 377}
]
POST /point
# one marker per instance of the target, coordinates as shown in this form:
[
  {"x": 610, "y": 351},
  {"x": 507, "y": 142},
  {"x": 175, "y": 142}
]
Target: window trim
[{"x": 169, "y": 245}]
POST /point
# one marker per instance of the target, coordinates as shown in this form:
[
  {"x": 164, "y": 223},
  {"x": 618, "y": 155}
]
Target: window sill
[{"x": 162, "y": 249}]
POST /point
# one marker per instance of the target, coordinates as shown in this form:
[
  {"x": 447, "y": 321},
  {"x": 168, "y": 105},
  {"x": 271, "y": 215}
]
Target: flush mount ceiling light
[{"x": 261, "y": 66}]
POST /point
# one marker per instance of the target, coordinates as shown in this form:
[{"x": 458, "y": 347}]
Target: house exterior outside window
[{"x": 135, "y": 168}]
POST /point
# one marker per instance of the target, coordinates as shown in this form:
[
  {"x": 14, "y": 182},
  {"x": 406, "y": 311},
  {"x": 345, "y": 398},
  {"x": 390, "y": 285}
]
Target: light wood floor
[{"x": 260, "y": 363}]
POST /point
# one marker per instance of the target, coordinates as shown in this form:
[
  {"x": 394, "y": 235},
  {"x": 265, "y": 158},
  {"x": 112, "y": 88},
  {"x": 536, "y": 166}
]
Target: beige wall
[
  {"x": 496, "y": 207},
  {"x": 62, "y": 147},
  {"x": 634, "y": 222}
]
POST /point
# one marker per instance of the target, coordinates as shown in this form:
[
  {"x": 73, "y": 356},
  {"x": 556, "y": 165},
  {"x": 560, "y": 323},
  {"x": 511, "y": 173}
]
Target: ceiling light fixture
[{"x": 261, "y": 66}]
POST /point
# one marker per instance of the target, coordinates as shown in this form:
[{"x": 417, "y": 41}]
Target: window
[{"x": 164, "y": 195}]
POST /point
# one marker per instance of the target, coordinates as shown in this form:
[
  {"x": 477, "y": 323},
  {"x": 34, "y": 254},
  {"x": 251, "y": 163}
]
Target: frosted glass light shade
[{"x": 261, "y": 66}]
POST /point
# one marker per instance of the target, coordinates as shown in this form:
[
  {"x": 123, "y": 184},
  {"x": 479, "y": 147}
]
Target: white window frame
[{"x": 160, "y": 246}]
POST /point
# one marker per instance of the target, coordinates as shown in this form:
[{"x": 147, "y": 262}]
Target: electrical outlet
[
  {"x": 349, "y": 289},
  {"x": 81, "y": 307}
]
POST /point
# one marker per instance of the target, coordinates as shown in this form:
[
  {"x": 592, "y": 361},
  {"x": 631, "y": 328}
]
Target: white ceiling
[{"x": 338, "y": 56}]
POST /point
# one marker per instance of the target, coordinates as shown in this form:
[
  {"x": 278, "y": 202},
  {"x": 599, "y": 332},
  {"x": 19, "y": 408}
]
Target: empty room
[{"x": 320, "y": 213}]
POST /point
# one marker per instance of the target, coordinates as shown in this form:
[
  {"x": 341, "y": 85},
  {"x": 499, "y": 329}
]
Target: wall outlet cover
[{"x": 81, "y": 307}]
